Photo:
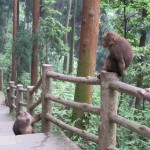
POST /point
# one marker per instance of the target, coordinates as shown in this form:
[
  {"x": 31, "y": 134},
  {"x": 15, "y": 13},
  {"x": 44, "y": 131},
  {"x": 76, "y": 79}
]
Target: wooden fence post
[
  {"x": 46, "y": 104},
  {"x": 30, "y": 99},
  {"x": 19, "y": 98},
  {"x": 109, "y": 102},
  {"x": 1, "y": 79},
  {"x": 7, "y": 99},
  {"x": 12, "y": 94}
]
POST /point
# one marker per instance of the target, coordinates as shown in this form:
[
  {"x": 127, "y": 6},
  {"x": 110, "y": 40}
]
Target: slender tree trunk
[
  {"x": 15, "y": 22},
  {"x": 46, "y": 51},
  {"x": 125, "y": 19},
  {"x": 18, "y": 15},
  {"x": 71, "y": 58},
  {"x": 140, "y": 76},
  {"x": 66, "y": 37},
  {"x": 87, "y": 56},
  {"x": 7, "y": 21},
  {"x": 34, "y": 66}
]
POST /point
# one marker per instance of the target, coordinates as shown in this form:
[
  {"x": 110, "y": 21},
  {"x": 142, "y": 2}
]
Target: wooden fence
[{"x": 109, "y": 84}]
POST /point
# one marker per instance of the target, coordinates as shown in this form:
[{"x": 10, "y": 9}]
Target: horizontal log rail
[
  {"x": 75, "y": 130},
  {"x": 112, "y": 147},
  {"x": 13, "y": 86},
  {"x": 23, "y": 90},
  {"x": 86, "y": 107},
  {"x": 130, "y": 89},
  {"x": 86, "y": 80},
  {"x": 14, "y": 97},
  {"x": 36, "y": 86},
  {"x": 23, "y": 104},
  {"x": 36, "y": 103},
  {"x": 140, "y": 129}
]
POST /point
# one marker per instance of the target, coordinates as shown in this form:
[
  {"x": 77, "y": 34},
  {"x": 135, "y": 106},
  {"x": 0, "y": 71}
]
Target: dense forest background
[{"x": 58, "y": 36}]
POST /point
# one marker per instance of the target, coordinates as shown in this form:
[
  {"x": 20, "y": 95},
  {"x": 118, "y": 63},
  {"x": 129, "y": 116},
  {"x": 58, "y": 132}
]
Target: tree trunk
[
  {"x": 87, "y": 55},
  {"x": 66, "y": 37},
  {"x": 15, "y": 22},
  {"x": 47, "y": 51},
  {"x": 71, "y": 60},
  {"x": 34, "y": 66},
  {"x": 140, "y": 76}
]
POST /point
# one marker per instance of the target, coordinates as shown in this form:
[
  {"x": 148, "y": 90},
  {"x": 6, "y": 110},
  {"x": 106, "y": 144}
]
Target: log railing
[
  {"x": 109, "y": 85},
  {"x": 17, "y": 102}
]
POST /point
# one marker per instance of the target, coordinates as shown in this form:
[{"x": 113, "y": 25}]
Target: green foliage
[
  {"x": 5, "y": 62},
  {"x": 53, "y": 31},
  {"x": 125, "y": 138},
  {"x": 5, "y": 7},
  {"x": 140, "y": 65},
  {"x": 130, "y": 18}
]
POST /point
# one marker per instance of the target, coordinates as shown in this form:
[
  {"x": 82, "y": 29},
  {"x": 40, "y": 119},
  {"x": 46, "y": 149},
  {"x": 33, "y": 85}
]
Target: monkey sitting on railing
[{"x": 23, "y": 124}]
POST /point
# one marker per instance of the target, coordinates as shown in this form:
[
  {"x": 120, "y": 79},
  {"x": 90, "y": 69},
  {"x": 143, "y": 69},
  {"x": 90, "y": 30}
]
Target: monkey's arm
[{"x": 121, "y": 67}]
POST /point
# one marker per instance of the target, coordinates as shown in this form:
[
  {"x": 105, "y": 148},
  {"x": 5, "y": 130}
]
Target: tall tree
[
  {"x": 28, "y": 12},
  {"x": 87, "y": 54},
  {"x": 15, "y": 27},
  {"x": 34, "y": 65},
  {"x": 2, "y": 24},
  {"x": 140, "y": 75},
  {"x": 66, "y": 36},
  {"x": 71, "y": 61}
]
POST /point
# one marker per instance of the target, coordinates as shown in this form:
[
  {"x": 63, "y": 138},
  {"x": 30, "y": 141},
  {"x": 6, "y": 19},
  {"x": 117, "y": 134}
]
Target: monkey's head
[
  {"x": 23, "y": 124},
  {"x": 108, "y": 39},
  {"x": 25, "y": 119}
]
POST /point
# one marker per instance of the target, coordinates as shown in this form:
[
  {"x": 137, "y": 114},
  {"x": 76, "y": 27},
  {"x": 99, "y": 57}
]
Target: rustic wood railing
[{"x": 109, "y": 84}]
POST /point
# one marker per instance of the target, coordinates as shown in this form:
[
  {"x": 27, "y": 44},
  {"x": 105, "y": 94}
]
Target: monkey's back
[
  {"x": 16, "y": 129},
  {"x": 125, "y": 49}
]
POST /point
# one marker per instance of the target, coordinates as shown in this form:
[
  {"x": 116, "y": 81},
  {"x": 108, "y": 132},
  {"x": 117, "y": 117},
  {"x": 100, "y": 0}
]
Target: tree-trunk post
[
  {"x": 46, "y": 104},
  {"x": 30, "y": 99},
  {"x": 12, "y": 93},
  {"x": 109, "y": 103},
  {"x": 7, "y": 99},
  {"x": 1, "y": 79},
  {"x": 19, "y": 98}
]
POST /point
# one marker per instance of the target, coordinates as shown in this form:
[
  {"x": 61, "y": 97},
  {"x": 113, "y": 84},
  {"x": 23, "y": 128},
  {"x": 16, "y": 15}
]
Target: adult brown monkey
[
  {"x": 23, "y": 124},
  {"x": 120, "y": 53}
]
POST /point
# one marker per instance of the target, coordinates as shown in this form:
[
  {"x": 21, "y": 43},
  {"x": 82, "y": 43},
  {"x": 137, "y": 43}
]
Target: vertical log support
[
  {"x": 7, "y": 99},
  {"x": 46, "y": 104},
  {"x": 12, "y": 93},
  {"x": 19, "y": 98},
  {"x": 1, "y": 79},
  {"x": 30, "y": 99},
  {"x": 109, "y": 102}
]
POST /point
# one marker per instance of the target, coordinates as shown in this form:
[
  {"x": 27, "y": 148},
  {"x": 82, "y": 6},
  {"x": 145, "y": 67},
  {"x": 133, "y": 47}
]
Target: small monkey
[
  {"x": 120, "y": 53},
  {"x": 23, "y": 124}
]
